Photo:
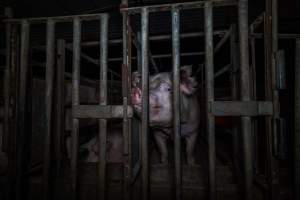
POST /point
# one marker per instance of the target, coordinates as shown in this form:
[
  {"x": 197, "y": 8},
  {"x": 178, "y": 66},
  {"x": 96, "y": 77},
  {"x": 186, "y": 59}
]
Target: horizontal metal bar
[
  {"x": 67, "y": 18},
  {"x": 100, "y": 111},
  {"x": 280, "y": 35},
  {"x": 241, "y": 108},
  {"x": 184, "y": 6}
]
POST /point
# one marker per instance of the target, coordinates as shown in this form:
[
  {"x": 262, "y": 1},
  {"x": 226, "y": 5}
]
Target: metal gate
[{"x": 245, "y": 107}]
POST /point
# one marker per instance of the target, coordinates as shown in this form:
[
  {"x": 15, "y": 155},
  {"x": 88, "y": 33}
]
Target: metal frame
[{"x": 244, "y": 108}]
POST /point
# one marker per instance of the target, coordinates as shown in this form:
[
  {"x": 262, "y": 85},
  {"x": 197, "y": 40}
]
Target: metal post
[
  {"x": 145, "y": 102},
  {"x": 22, "y": 127},
  {"x": 176, "y": 98},
  {"x": 75, "y": 101},
  {"x": 245, "y": 96},
  {"x": 60, "y": 102},
  {"x": 209, "y": 80},
  {"x": 48, "y": 102},
  {"x": 103, "y": 101},
  {"x": 297, "y": 123}
]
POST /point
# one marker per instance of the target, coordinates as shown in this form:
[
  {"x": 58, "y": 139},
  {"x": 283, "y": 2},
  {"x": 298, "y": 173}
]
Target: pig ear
[
  {"x": 186, "y": 71},
  {"x": 135, "y": 78}
]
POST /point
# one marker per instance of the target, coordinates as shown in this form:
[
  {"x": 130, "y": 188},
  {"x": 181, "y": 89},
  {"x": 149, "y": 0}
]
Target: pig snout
[{"x": 136, "y": 98}]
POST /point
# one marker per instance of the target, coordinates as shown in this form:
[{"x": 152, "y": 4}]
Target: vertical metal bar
[
  {"x": 139, "y": 53},
  {"x": 297, "y": 123},
  {"x": 48, "y": 102},
  {"x": 270, "y": 85},
  {"x": 176, "y": 98},
  {"x": 75, "y": 101},
  {"x": 209, "y": 80},
  {"x": 145, "y": 102},
  {"x": 6, "y": 84},
  {"x": 234, "y": 93},
  {"x": 126, "y": 78},
  {"x": 60, "y": 102},
  {"x": 103, "y": 101},
  {"x": 245, "y": 96},
  {"x": 21, "y": 137}
]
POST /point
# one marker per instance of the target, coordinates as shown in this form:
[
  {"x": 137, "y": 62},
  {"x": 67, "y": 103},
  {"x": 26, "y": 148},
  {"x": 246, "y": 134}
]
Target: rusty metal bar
[
  {"x": 75, "y": 102},
  {"x": 50, "y": 51},
  {"x": 183, "y": 6},
  {"x": 209, "y": 88},
  {"x": 145, "y": 102},
  {"x": 176, "y": 99},
  {"x": 245, "y": 96},
  {"x": 103, "y": 101},
  {"x": 68, "y": 18},
  {"x": 22, "y": 127},
  {"x": 297, "y": 123},
  {"x": 60, "y": 101}
]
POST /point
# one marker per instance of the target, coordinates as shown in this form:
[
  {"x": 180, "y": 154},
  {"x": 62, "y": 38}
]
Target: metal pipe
[
  {"x": 48, "y": 102},
  {"x": 103, "y": 101},
  {"x": 182, "y": 6},
  {"x": 60, "y": 101},
  {"x": 75, "y": 102},
  {"x": 176, "y": 99},
  {"x": 297, "y": 123},
  {"x": 145, "y": 102},
  {"x": 209, "y": 87},
  {"x": 22, "y": 127},
  {"x": 245, "y": 96}
]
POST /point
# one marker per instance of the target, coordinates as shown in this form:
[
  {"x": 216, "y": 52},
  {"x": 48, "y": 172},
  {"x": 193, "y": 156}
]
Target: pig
[
  {"x": 114, "y": 147},
  {"x": 161, "y": 111}
]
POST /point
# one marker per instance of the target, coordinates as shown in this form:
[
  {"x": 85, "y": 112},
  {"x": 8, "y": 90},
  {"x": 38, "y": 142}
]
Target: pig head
[{"x": 161, "y": 109}]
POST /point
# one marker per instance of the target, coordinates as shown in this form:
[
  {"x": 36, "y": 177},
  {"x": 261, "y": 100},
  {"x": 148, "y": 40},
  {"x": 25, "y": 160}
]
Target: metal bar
[
  {"x": 280, "y": 35},
  {"x": 245, "y": 96},
  {"x": 48, "y": 102},
  {"x": 68, "y": 18},
  {"x": 209, "y": 88},
  {"x": 145, "y": 102},
  {"x": 297, "y": 123},
  {"x": 242, "y": 108},
  {"x": 222, "y": 41},
  {"x": 60, "y": 101},
  {"x": 75, "y": 102},
  {"x": 186, "y": 5},
  {"x": 168, "y": 55},
  {"x": 176, "y": 99},
  {"x": 222, "y": 70},
  {"x": 103, "y": 101},
  {"x": 126, "y": 81},
  {"x": 22, "y": 127},
  {"x": 136, "y": 43},
  {"x": 272, "y": 165},
  {"x": 151, "y": 38},
  {"x": 6, "y": 85},
  {"x": 94, "y": 61}
]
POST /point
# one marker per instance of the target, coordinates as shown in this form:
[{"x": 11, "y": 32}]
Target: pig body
[
  {"x": 114, "y": 147},
  {"x": 161, "y": 110}
]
